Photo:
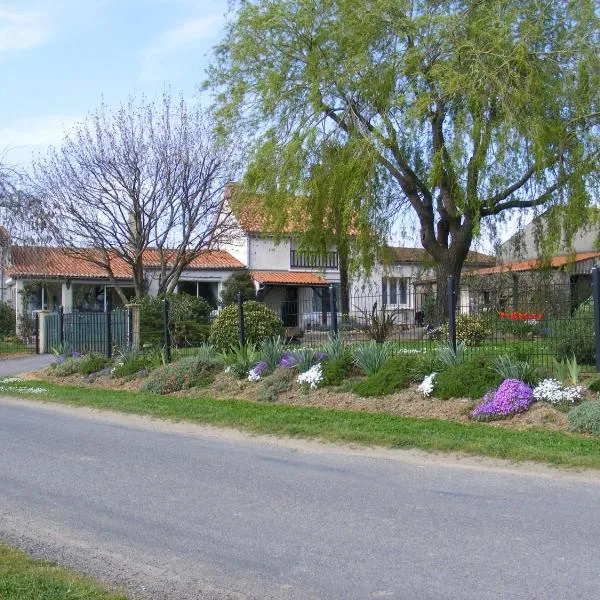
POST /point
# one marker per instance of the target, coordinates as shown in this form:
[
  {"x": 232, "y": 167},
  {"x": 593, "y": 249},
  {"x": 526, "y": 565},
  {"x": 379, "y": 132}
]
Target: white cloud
[
  {"x": 20, "y": 30},
  {"x": 159, "y": 59}
]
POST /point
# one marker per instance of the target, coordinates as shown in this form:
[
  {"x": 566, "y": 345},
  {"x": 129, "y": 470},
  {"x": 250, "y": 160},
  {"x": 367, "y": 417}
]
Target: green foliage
[
  {"x": 472, "y": 379},
  {"x": 594, "y": 384},
  {"x": 510, "y": 368},
  {"x": 470, "y": 329},
  {"x": 305, "y": 357},
  {"x": 379, "y": 324},
  {"x": 585, "y": 418},
  {"x": 260, "y": 324},
  {"x": 395, "y": 375},
  {"x": 370, "y": 357},
  {"x": 477, "y": 101},
  {"x": 335, "y": 348},
  {"x": 7, "y": 320},
  {"x": 189, "y": 320},
  {"x": 181, "y": 375},
  {"x": 240, "y": 359},
  {"x": 425, "y": 364},
  {"x": 428, "y": 306},
  {"x": 130, "y": 362},
  {"x": 445, "y": 355},
  {"x": 567, "y": 371},
  {"x": 278, "y": 382},
  {"x": 574, "y": 336},
  {"x": 238, "y": 281},
  {"x": 91, "y": 363},
  {"x": 271, "y": 351},
  {"x": 337, "y": 370},
  {"x": 69, "y": 366}
]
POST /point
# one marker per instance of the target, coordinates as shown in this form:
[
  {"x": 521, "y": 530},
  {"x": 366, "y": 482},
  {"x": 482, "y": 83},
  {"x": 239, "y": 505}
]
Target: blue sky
[{"x": 60, "y": 58}]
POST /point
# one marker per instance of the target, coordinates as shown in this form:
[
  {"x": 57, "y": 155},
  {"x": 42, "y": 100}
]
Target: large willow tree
[{"x": 474, "y": 109}]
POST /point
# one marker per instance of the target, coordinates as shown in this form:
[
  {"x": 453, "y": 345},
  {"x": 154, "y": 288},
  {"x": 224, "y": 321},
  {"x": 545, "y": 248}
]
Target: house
[{"x": 44, "y": 278}]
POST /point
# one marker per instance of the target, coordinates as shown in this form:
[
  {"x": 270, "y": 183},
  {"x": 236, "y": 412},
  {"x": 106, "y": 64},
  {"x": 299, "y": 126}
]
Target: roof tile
[{"x": 288, "y": 278}]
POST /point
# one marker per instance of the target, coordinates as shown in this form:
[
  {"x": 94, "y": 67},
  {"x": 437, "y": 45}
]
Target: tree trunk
[
  {"x": 345, "y": 286},
  {"x": 451, "y": 264}
]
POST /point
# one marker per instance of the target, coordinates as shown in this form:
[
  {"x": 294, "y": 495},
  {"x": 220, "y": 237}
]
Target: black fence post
[
  {"x": 61, "y": 327},
  {"x": 108, "y": 329},
  {"x": 130, "y": 328},
  {"x": 452, "y": 312},
  {"x": 166, "y": 332},
  {"x": 240, "y": 305},
  {"x": 596, "y": 296},
  {"x": 333, "y": 305},
  {"x": 37, "y": 333}
]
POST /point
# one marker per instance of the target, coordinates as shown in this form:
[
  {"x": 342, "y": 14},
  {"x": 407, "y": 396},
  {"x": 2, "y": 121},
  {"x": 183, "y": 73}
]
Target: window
[{"x": 397, "y": 289}]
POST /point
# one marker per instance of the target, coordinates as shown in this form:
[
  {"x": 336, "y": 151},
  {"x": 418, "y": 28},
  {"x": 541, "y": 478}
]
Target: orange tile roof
[
  {"x": 288, "y": 278},
  {"x": 529, "y": 265},
  {"x": 30, "y": 261}
]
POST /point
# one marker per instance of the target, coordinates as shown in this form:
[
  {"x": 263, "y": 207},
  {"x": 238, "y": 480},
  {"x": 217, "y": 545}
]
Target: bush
[
  {"x": 594, "y": 384},
  {"x": 241, "y": 359},
  {"x": 91, "y": 363},
  {"x": 472, "y": 379},
  {"x": 66, "y": 367},
  {"x": 271, "y": 351},
  {"x": 181, "y": 375},
  {"x": 131, "y": 362},
  {"x": 574, "y": 336},
  {"x": 7, "y": 320},
  {"x": 585, "y": 418},
  {"x": 189, "y": 320},
  {"x": 278, "y": 382},
  {"x": 395, "y": 375},
  {"x": 239, "y": 281},
  {"x": 510, "y": 368},
  {"x": 260, "y": 323},
  {"x": 470, "y": 329},
  {"x": 370, "y": 357},
  {"x": 337, "y": 370}
]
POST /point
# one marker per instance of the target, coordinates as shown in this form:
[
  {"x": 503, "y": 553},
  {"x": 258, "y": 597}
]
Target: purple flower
[
  {"x": 512, "y": 397},
  {"x": 60, "y": 359},
  {"x": 76, "y": 354},
  {"x": 260, "y": 367},
  {"x": 288, "y": 361},
  {"x": 319, "y": 357}
]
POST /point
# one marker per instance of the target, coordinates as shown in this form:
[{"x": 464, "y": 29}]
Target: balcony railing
[{"x": 314, "y": 260}]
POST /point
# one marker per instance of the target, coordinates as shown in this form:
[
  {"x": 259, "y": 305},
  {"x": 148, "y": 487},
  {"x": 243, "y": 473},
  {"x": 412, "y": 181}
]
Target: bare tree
[{"x": 141, "y": 185}]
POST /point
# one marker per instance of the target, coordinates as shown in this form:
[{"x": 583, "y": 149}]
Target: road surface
[{"x": 177, "y": 511}]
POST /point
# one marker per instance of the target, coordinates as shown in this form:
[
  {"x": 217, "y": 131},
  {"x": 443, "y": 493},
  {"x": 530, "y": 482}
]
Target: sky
[{"x": 60, "y": 59}]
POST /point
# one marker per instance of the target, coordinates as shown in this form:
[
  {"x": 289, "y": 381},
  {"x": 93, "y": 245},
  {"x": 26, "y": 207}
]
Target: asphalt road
[
  {"x": 171, "y": 512},
  {"x": 15, "y": 366}
]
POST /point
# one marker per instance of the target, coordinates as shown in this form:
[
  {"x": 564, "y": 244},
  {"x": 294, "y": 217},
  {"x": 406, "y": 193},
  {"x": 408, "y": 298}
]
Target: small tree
[
  {"x": 141, "y": 185},
  {"x": 238, "y": 281}
]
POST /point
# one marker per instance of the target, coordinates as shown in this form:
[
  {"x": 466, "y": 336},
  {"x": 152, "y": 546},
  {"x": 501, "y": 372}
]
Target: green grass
[
  {"x": 378, "y": 429},
  {"x": 22, "y": 578}
]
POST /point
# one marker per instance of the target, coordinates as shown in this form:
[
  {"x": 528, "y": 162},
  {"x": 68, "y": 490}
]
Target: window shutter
[{"x": 384, "y": 291}]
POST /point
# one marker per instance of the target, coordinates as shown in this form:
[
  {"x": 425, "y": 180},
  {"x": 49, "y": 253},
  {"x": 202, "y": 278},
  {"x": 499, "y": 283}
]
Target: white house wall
[{"x": 266, "y": 255}]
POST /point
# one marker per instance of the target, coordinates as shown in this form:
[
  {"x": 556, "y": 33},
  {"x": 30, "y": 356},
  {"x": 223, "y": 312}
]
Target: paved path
[
  {"x": 185, "y": 513},
  {"x": 16, "y": 366}
]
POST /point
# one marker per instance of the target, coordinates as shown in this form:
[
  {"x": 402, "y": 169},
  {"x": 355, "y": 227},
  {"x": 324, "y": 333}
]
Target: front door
[{"x": 289, "y": 310}]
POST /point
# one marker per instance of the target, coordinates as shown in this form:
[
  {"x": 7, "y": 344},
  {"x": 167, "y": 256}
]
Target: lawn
[
  {"x": 375, "y": 429},
  {"x": 22, "y": 578}
]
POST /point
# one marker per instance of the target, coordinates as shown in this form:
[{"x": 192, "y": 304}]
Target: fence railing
[
  {"x": 542, "y": 321},
  {"x": 313, "y": 260}
]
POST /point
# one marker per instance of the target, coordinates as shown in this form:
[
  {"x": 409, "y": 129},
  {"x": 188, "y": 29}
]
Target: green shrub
[
  {"x": 585, "y": 418},
  {"x": 7, "y": 320},
  {"x": 91, "y": 363},
  {"x": 238, "y": 281},
  {"x": 271, "y": 351},
  {"x": 594, "y": 384},
  {"x": 395, "y": 375},
  {"x": 370, "y": 357},
  {"x": 239, "y": 360},
  {"x": 574, "y": 336},
  {"x": 425, "y": 364},
  {"x": 335, "y": 348},
  {"x": 278, "y": 382},
  {"x": 509, "y": 368},
  {"x": 470, "y": 329},
  {"x": 189, "y": 320},
  {"x": 260, "y": 324},
  {"x": 131, "y": 362},
  {"x": 69, "y": 366},
  {"x": 447, "y": 357},
  {"x": 472, "y": 379},
  {"x": 337, "y": 370},
  {"x": 181, "y": 375}
]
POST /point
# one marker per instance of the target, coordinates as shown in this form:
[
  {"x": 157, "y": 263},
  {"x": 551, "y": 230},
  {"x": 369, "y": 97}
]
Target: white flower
[
  {"x": 312, "y": 377},
  {"x": 227, "y": 370},
  {"x": 24, "y": 390},
  {"x": 253, "y": 375},
  {"x": 426, "y": 386},
  {"x": 10, "y": 380},
  {"x": 550, "y": 390}
]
